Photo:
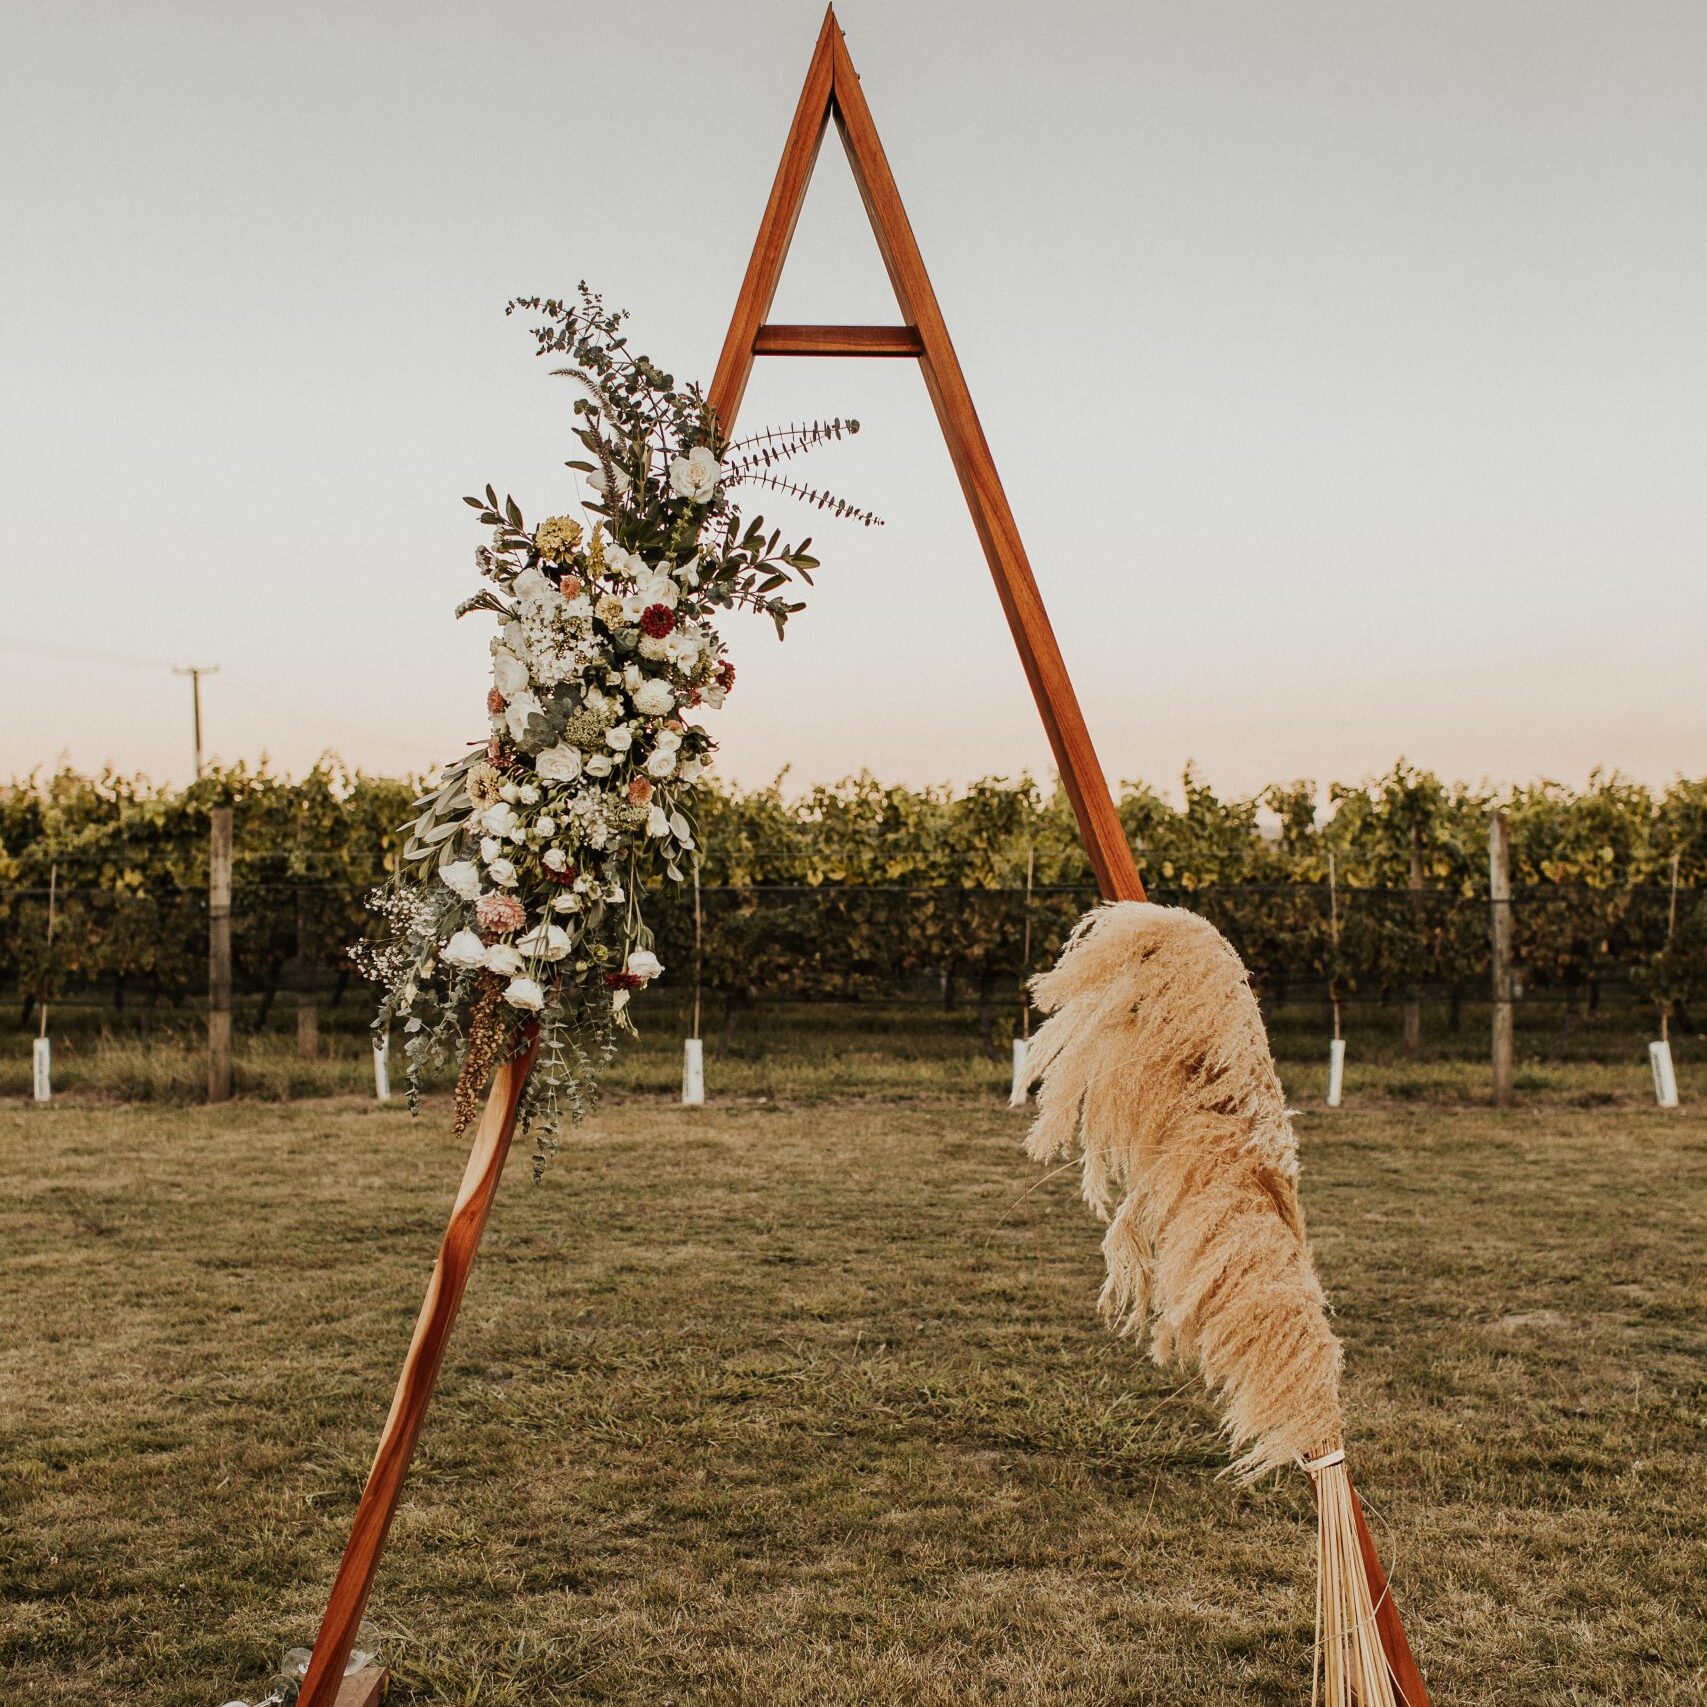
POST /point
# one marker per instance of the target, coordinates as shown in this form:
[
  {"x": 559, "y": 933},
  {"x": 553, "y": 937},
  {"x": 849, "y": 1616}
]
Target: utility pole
[{"x": 195, "y": 672}]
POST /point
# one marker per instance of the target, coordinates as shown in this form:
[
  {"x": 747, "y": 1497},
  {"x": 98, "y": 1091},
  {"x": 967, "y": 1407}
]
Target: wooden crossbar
[{"x": 838, "y": 341}]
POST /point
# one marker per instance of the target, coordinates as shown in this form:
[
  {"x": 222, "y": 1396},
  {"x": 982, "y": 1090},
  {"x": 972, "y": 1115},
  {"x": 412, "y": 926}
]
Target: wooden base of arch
[{"x": 832, "y": 92}]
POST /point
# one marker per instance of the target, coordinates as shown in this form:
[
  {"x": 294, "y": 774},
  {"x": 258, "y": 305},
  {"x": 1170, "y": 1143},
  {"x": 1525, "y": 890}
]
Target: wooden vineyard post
[
  {"x": 832, "y": 91},
  {"x": 1499, "y": 907},
  {"x": 219, "y": 956}
]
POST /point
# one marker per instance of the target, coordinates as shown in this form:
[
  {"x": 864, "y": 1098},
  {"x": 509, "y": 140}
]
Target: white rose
[
  {"x": 656, "y": 588},
  {"x": 668, "y": 739},
  {"x": 518, "y": 711},
  {"x": 549, "y": 941},
  {"x": 524, "y": 993},
  {"x": 561, "y": 763},
  {"x": 599, "y": 764},
  {"x": 619, "y": 739},
  {"x": 596, "y": 480},
  {"x": 689, "y": 769},
  {"x": 554, "y": 859},
  {"x": 643, "y": 963},
  {"x": 547, "y": 827},
  {"x": 654, "y": 697},
  {"x": 464, "y": 949},
  {"x": 527, "y": 794},
  {"x": 499, "y": 820},
  {"x": 662, "y": 763},
  {"x": 502, "y": 873},
  {"x": 696, "y": 475},
  {"x": 504, "y": 959},
  {"x": 461, "y": 877},
  {"x": 509, "y": 673},
  {"x": 565, "y": 903}
]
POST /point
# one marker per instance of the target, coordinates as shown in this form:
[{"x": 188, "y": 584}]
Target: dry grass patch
[{"x": 807, "y": 1404}]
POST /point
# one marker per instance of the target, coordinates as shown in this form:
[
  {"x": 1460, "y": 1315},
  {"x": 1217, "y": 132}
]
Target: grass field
[{"x": 803, "y": 1400}]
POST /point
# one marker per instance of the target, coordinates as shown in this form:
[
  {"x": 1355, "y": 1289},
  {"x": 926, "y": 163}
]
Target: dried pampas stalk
[{"x": 1155, "y": 1068}]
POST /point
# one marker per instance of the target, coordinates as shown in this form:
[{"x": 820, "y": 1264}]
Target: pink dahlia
[{"x": 499, "y": 915}]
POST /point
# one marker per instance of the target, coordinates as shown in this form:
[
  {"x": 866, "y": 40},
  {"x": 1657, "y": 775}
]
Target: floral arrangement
[{"x": 518, "y": 905}]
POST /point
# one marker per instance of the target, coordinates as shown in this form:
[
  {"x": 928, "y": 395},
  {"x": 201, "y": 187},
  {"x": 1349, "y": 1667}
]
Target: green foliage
[{"x": 849, "y": 889}]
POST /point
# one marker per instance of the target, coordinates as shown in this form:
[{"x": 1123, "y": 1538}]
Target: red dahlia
[
  {"x": 623, "y": 980},
  {"x": 725, "y": 674},
  {"x": 657, "y": 620}
]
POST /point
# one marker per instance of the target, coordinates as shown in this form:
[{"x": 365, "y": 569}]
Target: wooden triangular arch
[{"x": 832, "y": 91}]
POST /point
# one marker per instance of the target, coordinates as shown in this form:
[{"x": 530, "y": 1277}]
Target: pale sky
[{"x": 1346, "y": 365}]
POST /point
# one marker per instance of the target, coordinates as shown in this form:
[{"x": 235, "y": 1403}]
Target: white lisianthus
[
  {"x": 554, "y": 859},
  {"x": 662, "y": 764},
  {"x": 714, "y": 695},
  {"x": 548, "y": 941},
  {"x": 654, "y": 697},
  {"x": 524, "y": 993},
  {"x": 502, "y": 872},
  {"x": 490, "y": 849},
  {"x": 657, "y": 822},
  {"x": 632, "y": 676},
  {"x": 509, "y": 673},
  {"x": 599, "y": 764},
  {"x": 530, "y": 584},
  {"x": 516, "y": 714},
  {"x": 596, "y": 480},
  {"x": 565, "y": 902},
  {"x": 464, "y": 950},
  {"x": 689, "y": 770},
  {"x": 462, "y": 878},
  {"x": 696, "y": 475},
  {"x": 620, "y": 562},
  {"x": 687, "y": 574},
  {"x": 504, "y": 959},
  {"x": 681, "y": 647},
  {"x": 561, "y": 763},
  {"x": 499, "y": 820},
  {"x": 619, "y": 739},
  {"x": 643, "y": 963}
]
